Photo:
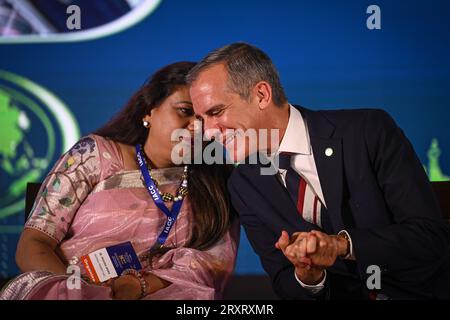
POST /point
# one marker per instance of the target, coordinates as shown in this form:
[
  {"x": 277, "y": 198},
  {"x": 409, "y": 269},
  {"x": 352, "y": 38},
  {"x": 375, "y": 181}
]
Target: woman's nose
[{"x": 193, "y": 123}]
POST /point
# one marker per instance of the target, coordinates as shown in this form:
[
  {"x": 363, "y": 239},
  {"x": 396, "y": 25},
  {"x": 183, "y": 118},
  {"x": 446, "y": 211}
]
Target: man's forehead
[
  {"x": 208, "y": 90},
  {"x": 215, "y": 75}
]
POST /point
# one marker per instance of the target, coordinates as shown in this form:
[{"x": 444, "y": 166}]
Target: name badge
[{"x": 110, "y": 262}]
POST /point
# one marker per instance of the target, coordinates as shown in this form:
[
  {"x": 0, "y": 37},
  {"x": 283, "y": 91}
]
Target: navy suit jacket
[{"x": 375, "y": 188}]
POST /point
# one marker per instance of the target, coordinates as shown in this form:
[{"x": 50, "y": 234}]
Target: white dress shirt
[{"x": 296, "y": 141}]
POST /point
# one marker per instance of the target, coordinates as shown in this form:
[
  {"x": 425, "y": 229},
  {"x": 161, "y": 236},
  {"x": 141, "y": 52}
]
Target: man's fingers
[
  {"x": 319, "y": 235},
  {"x": 283, "y": 241},
  {"x": 323, "y": 238},
  {"x": 306, "y": 261},
  {"x": 297, "y": 235},
  {"x": 309, "y": 238},
  {"x": 311, "y": 244},
  {"x": 302, "y": 234}
]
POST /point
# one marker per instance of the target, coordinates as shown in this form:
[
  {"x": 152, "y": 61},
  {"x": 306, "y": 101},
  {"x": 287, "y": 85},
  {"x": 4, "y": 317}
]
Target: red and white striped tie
[{"x": 307, "y": 203}]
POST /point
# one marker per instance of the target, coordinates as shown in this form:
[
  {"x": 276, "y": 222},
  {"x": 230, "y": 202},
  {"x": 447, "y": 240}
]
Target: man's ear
[{"x": 263, "y": 92}]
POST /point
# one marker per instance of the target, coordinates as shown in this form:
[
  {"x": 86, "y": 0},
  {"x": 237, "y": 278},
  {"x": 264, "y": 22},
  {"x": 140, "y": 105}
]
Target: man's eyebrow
[
  {"x": 183, "y": 102},
  {"x": 214, "y": 108}
]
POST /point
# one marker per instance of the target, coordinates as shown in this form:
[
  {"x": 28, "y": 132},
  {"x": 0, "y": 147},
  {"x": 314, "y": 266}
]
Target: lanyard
[{"x": 154, "y": 194}]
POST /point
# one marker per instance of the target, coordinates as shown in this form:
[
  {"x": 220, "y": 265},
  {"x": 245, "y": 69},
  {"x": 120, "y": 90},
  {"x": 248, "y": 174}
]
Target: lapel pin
[{"x": 329, "y": 152}]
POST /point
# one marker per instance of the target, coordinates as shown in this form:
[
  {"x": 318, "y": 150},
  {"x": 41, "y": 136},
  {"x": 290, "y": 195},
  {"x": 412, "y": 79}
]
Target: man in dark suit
[{"x": 349, "y": 213}]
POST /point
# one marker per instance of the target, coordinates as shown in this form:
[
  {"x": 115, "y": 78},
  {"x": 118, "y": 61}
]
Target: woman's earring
[{"x": 146, "y": 123}]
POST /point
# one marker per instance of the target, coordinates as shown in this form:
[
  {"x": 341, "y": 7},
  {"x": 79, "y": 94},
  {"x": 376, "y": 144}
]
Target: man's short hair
[{"x": 246, "y": 66}]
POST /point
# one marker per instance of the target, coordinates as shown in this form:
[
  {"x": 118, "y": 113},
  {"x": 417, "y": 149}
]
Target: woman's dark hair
[
  {"x": 126, "y": 127},
  {"x": 206, "y": 183}
]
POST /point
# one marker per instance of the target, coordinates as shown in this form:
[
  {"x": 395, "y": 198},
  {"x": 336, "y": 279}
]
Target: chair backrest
[
  {"x": 30, "y": 196},
  {"x": 442, "y": 191}
]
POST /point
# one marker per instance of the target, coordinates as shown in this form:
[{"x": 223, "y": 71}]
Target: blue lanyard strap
[{"x": 154, "y": 194}]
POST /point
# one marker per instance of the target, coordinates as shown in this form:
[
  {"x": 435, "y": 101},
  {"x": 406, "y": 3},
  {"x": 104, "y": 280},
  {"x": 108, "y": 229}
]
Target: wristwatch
[{"x": 345, "y": 235}]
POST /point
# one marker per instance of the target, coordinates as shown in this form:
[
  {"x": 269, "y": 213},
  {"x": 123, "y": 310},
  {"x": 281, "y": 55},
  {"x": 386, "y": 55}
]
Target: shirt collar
[{"x": 296, "y": 138}]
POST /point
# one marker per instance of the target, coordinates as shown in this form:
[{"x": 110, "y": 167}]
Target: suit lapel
[
  {"x": 276, "y": 197},
  {"x": 328, "y": 158}
]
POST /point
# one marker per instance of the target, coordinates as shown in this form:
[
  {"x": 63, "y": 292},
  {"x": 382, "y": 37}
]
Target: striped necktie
[{"x": 307, "y": 203}]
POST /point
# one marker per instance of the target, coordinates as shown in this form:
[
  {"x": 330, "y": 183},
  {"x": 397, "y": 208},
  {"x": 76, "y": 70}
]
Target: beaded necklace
[{"x": 166, "y": 196}]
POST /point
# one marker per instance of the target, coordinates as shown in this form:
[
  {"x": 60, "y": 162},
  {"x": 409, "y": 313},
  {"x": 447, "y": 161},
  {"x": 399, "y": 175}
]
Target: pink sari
[{"x": 88, "y": 201}]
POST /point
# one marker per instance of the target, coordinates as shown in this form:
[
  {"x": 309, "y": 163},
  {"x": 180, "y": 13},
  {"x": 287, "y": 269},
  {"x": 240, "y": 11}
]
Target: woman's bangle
[{"x": 140, "y": 277}]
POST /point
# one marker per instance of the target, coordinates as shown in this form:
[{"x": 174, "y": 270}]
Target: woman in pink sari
[{"x": 97, "y": 196}]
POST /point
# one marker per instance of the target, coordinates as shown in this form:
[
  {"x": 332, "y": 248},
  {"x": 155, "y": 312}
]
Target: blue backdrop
[{"x": 326, "y": 56}]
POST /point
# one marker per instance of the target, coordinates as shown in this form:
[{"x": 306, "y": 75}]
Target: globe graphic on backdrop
[
  {"x": 20, "y": 161},
  {"x": 35, "y": 129}
]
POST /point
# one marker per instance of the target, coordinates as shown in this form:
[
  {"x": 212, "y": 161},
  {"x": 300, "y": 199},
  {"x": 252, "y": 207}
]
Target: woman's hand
[{"x": 126, "y": 287}]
